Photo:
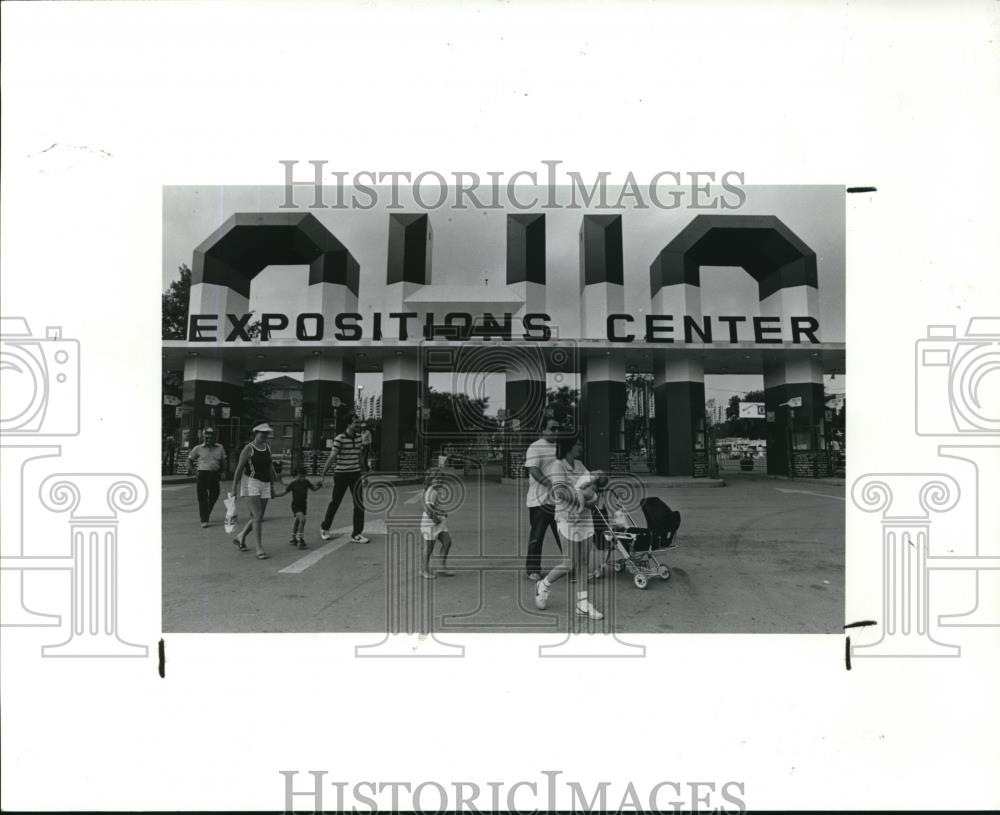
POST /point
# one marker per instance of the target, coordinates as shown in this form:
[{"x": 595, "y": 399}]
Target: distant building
[
  {"x": 715, "y": 412},
  {"x": 369, "y": 407}
]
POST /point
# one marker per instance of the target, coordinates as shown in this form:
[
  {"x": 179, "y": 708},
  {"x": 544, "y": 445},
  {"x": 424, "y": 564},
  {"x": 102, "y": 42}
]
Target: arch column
[
  {"x": 796, "y": 443},
  {"x": 679, "y": 427},
  {"x": 602, "y": 384},
  {"x": 525, "y": 389},
  {"x": 326, "y": 381},
  {"x": 409, "y": 254},
  {"x": 401, "y": 391},
  {"x": 207, "y": 380}
]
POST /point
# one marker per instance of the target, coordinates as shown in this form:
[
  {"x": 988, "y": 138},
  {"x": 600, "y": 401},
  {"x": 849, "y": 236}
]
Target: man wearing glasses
[{"x": 541, "y": 511}]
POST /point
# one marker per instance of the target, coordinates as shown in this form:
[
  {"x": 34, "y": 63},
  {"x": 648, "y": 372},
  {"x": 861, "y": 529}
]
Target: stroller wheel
[
  {"x": 619, "y": 567},
  {"x": 640, "y": 581},
  {"x": 664, "y": 573}
]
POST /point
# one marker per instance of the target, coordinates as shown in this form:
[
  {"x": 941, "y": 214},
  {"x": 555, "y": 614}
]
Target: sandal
[
  {"x": 302, "y": 545},
  {"x": 263, "y": 556},
  {"x": 240, "y": 545}
]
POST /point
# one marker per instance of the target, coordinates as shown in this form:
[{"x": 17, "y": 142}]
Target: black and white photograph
[
  {"x": 577, "y": 408},
  {"x": 381, "y": 379}
]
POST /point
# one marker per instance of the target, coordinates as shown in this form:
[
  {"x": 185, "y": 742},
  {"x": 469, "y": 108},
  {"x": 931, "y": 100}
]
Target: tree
[
  {"x": 562, "y": 403},
  {"x": 175, "y": 306},
  {"x": 174, "y": 313},
  {"x": 256, "y": 404},
  {"x": 456, "y": 413}
]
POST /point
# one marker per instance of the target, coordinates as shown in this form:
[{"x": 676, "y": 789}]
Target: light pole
[{"x": 361, "y": 401}]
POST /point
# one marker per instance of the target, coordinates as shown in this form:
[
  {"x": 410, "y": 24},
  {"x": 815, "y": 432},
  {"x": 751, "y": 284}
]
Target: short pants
[
  {"x": 253, "y": 487},
  {"x": 430, "y": 530}
]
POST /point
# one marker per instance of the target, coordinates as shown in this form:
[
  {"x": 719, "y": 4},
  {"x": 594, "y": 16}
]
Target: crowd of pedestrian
[{"x": 561, "y": 496}]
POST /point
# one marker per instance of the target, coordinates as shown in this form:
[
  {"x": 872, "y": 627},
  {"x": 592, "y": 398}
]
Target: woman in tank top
[{"x": 255, "y": 463}]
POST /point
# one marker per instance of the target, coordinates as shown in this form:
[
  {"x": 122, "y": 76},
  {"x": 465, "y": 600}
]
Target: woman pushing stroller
[{"x": 574, "y": 493}]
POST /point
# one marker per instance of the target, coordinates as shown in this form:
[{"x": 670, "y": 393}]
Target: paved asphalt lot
[{"x": 758, "y": 555}]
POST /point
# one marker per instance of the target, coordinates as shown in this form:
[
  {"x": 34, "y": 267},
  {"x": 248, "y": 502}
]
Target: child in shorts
[
  {"x": 299, "y": 487},
  {"x": 433, "y": 525}
]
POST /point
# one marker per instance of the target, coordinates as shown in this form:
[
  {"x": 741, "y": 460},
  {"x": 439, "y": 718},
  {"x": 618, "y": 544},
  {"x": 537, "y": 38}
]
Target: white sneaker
[
  {"x": 584, "y": 608},
  {"x": 325, "y": 535},
  {"x": 359, "y": 539},
  {"x": 541, "y": 595}
]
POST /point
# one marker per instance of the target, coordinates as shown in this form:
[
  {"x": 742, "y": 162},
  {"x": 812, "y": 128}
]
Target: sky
[{"x": 470, "y": 248}]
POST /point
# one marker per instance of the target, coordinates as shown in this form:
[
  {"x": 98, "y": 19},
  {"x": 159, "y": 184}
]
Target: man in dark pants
[
  {"x": 169, "y": 449},
  {"x": 209, "y": 459},
  {"x": 541, "y": 511},
  {"x": 346, "y": 461}
]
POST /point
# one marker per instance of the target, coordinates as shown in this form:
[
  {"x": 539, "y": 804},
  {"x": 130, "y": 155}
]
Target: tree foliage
[
  {"x": 174, "y": 311},
  {"x": 456, "y": 413},
  {"x": 175, "y": 306},
  {"x": 562, "y": 404}
]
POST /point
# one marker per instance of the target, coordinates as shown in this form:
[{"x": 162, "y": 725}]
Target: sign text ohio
[{"x": 463, "y": 327}]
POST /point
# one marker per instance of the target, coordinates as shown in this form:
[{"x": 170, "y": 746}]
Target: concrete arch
[
  {"x": 784, "y": 267},
  {"x": 761, "y": 244},
  {"x": 247, "y": 243}
]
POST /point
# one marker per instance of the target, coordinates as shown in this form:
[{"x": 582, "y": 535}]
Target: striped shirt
[{"x": 347, "y": 449}]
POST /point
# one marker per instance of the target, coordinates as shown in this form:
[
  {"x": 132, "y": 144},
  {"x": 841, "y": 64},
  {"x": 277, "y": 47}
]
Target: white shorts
[
  {"x": 430, "y": 530},
  {"x": 252, "y": 487},
  {"x": 575, "y": 531}
]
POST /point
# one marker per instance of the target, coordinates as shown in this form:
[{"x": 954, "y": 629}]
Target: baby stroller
[{"x": 634, "y": 547}]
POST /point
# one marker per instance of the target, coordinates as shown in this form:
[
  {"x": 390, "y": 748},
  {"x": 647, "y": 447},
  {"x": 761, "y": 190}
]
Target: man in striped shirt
[{"x": 346, "y": 460}]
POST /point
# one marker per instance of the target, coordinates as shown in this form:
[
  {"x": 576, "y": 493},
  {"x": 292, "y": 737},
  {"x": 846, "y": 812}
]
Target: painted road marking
[
  {"x": 315, "y": 556},
  {"x": 807, "y": 492},
  {"x": 178, "y": 487}
]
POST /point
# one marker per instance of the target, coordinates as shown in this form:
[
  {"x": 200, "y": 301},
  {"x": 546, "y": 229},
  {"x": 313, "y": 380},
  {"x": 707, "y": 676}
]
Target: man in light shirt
[
  {"x": 541, "y": 511},
  {"x": 209, "y": 459}
]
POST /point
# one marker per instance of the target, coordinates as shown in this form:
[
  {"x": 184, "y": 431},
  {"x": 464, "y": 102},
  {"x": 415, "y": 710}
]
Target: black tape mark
[
  {"x": 847, "y": 653},
  {"x": 163, "y": 659},
  {"x": 861, "y": 624},
  {"x": 862, "y": 189}
]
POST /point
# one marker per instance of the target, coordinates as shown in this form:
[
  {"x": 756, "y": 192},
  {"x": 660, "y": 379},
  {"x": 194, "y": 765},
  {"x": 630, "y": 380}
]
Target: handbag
[{"x": 230, "y": 523}]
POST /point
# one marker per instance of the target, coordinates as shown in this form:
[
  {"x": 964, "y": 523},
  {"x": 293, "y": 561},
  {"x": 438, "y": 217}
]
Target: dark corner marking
[
  {"x": 862, "y": 189},
  {"x": 163, "y": 659},
  {"x": 847, "y": 653},
  {"x": 861, "y": 624}
]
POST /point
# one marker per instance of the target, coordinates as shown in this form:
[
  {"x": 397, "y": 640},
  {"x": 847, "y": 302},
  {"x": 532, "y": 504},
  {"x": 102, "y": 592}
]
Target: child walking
[
  {"x": 433, "y": 525},
  {"x": 299, "y": 487}
]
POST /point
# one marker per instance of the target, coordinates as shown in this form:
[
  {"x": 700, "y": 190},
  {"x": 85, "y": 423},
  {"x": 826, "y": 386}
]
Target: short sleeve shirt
[
  {"x": 540, "y": 454},
  {"x": 348, "y": 452},
  {"x": 299, "y": 490},
  {"x": 208, "y": 458}
]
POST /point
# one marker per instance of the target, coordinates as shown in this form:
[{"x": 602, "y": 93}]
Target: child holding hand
[{"x": 299, "y": 487}]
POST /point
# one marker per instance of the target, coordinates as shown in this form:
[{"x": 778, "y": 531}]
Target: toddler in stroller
[{"x": 634, "y": 547}]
